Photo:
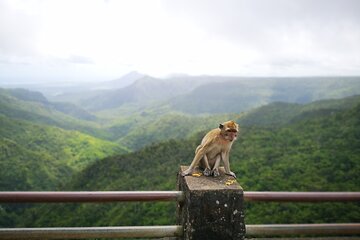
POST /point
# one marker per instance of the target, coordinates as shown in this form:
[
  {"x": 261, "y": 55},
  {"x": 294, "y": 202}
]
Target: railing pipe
[
  {"x": 302, "y": 196},
  {"x": 119, "y": 196},
  {"x": 123, "y": 196},
  {"x": 91, "y": 232},
  {"x": 303, "y": 229}
]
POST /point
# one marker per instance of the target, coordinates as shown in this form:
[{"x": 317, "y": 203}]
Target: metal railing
[
  {"x": 114, "y": 196},
  {"x": 302, "y": 196},
  {"x": 91, "y": 232},
  {"x": 337, "y": 229},
  {"x": 130, "y": 196},
  {"x": 327, "y": 229},
  {"x": 174, "y": 230}
]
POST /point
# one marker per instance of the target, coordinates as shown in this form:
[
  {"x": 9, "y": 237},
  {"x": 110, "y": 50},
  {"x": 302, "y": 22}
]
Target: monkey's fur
[{"x": 215, "y": 146}]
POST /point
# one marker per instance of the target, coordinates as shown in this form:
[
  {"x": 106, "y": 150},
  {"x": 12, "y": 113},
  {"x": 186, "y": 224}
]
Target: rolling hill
[
  {"x": 200, "y": 94},
  {"x": 43, "y": 143},
  {"x": 30, "y": 145},
  {"x": 142, "y": 92},
  {"x": 32, "y": 106},
  {"x": 243, "y": 94},
  {"x": 218, "y": 94},
  {"x": 24, "y": 169},
  {"x": 149, "y": 128},
  {"x": 133, "y": 132},
  {"x": 281, "y": 113}
]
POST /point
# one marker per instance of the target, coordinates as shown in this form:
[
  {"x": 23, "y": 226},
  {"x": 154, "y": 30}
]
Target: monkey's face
[
  {"x": 230, "y": 134},
  {"x": 229, "y": 130}
]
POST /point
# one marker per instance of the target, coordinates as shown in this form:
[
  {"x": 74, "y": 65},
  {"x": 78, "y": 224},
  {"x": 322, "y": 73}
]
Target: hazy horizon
[
  {"x": 169, "y": 76},
  {"x": 97, "y": 41}
]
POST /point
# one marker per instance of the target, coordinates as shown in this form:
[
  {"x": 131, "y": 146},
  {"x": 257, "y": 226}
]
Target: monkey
[{"x": 214, "y": 147}]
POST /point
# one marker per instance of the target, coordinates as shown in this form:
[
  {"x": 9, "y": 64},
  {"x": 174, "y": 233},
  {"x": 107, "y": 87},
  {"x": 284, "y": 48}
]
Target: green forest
[{"x": 282, "y": 146}]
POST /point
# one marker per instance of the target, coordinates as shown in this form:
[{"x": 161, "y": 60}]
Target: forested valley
[{"x": 305, "y": 143}]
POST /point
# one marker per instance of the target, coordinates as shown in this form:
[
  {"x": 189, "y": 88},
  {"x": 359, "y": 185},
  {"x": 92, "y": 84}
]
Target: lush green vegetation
[
  {"x": 281, "y": 113},
  {"x": 41, "y": 147},
  {"x": 33, "y": 107},
  {"x": 317, "y": 153},
  {"x": 315, "y": 149},
  {"x": 282, "y": 147},
  {"x": 132, "y": 130},
  {"x": 24, "y": 169},
  {"x": 148, "y": 128}
]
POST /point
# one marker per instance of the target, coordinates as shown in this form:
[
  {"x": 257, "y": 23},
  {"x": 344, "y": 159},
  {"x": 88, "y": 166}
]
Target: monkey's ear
[{"x": 221, "y": 126}]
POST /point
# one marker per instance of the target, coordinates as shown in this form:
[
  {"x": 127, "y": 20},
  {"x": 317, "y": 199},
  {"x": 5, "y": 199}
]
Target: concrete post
[{"x": 213, "y": 207}]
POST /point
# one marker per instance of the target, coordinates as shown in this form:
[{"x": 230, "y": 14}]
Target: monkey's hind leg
[
  {"x": 206, "y": 166},
  {"x": 215, "y": 171},
  {"x": 200, "y": 152}
]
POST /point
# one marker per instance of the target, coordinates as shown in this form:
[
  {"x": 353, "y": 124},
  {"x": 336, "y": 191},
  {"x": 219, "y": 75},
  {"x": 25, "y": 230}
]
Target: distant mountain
[
  {"x": 82, "y": 91},
  {"x": 216, "y": 94},
  {"x": 76, "y": 91},
  {"x": 122, "y": 82},
  {"x": 34, "y": 107},
  {"x": 280, "y": 113},
  {"x": 67, "y": 108},
  {"x": 244, "y": 94},
  {"x": 221, "y": 97},
  {"x": 143, "y": 91},
  {"x": 27, "y": 95},
  {"x": 196, "y": 94}
]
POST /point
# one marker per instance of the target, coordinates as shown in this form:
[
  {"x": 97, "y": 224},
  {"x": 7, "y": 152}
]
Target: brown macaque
[{"x": 215, "y": 146}]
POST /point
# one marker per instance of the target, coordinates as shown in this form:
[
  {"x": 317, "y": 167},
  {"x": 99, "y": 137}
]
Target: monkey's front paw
[
  {"x": 186, "y": 172},
  {"x": 216, "y": 172},
  {"x": 207, "y": 172},
  {"x": 231, "y": 174}
]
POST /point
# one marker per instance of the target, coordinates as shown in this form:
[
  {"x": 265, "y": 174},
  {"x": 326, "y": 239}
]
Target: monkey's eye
[{"x": 231, "y": 130}]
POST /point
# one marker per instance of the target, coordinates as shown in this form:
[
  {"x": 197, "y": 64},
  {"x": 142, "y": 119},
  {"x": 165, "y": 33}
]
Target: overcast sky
[{"x": 94, "y": 40}]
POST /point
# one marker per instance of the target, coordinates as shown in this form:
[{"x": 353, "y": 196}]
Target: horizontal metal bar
[
  {"x": 349, "y": 237},
  {"x": 36, "y": 197},
  {"x": 118, "y": 196},
  {"x": 91, "y": 232},
  {"x": 302, "y": 196},
  {"x": 303, "y": 229}
]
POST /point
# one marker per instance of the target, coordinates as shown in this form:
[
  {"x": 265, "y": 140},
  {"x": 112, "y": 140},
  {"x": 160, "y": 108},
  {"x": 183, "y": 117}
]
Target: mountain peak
[
  {"x": 133, "y": 75},
  {"x": 123, "y": 81}
]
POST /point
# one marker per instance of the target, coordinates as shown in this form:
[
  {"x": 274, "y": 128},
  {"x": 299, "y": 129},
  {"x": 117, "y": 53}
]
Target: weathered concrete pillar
[{"x": 212, "y": 209}]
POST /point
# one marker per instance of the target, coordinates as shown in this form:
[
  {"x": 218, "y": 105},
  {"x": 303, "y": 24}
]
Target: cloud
[
  {"x": 19, "y": 31},
  {"x": 80, "y": 60},
  {"x": 159, "y": 37},
  {"x": 317, "y": 32}
]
